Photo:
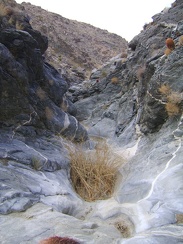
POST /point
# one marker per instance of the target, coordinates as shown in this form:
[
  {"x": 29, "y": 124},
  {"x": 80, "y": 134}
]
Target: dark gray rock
[
  {"x": 33, "y": 170},
  {"x": 30, "y": 87},
  {"x": 34, "y": 108},
  {"x": 171, "y": 15}
]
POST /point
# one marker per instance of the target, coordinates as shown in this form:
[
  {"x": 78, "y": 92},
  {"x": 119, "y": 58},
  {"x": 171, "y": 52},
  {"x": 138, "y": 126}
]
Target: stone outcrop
[
  {"x": 32, "y": 91},
  {"x": 126, "y": 103}
]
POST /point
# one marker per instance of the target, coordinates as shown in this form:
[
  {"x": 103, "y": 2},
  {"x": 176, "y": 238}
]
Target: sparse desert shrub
[
  {"x": 124, "y": 54},
  {"x": 165, "y": 89},
  {"x": 94, "y": 172},
  {"x": 49, "y": 113},
  {"x": 36, "y": 163},
  {"x": 170, "y": 43},
  {"x": 8, "y": 11},
  {"x": 12, "y": 20},
  {"x": 174, "y": 97},
  {"x": 181, "y": 40},
  {"x": 64, "y": 105},
  {"x": 173, "y": 104},
  {"x": 172, "y": 109},
  {"x": 104, "y": 74},
  {"x": 173, "y": 100},
  {"x": 140, "y": 72},
  {"x": 167, "y": 51},
  {"x": 58, "y": 240},
  {"x": 5, "y": 10},
  {"x": 114, "y": 80},
  {"x": 123, "y": 228},
  {"x": 60, "y": 58},
  {"x": 174, "y": 4},
  {"x": 19, "y": 25},
  {"x": 40, "y": 93},
  {"x": 179, "y": 218}
]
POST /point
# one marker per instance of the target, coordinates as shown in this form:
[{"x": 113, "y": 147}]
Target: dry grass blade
[
  {"x": 172, "y": 109},
  {"x": 175, "y": 97},
  {"x": 93, "y": 172},
  {"x": 173, "y": 100},
  {"x": 165, "y": 90}
]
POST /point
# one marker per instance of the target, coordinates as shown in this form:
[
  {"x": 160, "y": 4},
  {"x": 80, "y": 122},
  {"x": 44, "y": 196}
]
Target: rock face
[
  {"x": 134, "y": 102},
  {"x": 124, "y": 101},
  {"x": 75, "y": 48},
  {"x": 129, "y": 89},
  {"x": 32, "y": 91}
]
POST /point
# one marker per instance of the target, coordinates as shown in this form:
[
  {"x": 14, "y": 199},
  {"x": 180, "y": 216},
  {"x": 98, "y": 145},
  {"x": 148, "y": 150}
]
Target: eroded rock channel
[{"x": 134, "y": 101}]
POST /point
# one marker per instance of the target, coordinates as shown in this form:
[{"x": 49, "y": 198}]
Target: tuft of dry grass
[
  {"x": 49, "y": 113},
  {"x": 172, "y": 109},
  {"x": 104, "y": 74},
  {"x": 41, "y": 94},
  {"x": 173, "y": 98},
  {"x": 123, "y": 228},
  {"x": 94, "y": 172},
  {"x": 64, "y": 105},
  {"x": 179, "y": 218},
  {"x": 19, "y": 25},
  {"x": 167, "y": 51},
  {"x": 140, "y": 72},
  {"x": 114, "y": 80},
  {"x": 124, "y": 54},
  {"x": 12, "y": 20},
  {"x": 5, "y": 10},
  {"x": 165, "y": 89},
  {"x": 181, "y": 40}
]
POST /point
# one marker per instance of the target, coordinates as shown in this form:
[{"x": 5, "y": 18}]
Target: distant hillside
[{"x": 74, "y": 47}]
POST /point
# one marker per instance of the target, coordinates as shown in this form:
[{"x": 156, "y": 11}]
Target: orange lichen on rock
[{"x": 170, "y": 43}]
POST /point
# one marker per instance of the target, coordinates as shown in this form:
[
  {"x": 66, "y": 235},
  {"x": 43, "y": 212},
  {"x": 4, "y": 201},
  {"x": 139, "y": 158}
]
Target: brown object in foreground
[{"x": 58, "y": 240}]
